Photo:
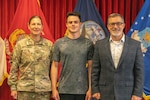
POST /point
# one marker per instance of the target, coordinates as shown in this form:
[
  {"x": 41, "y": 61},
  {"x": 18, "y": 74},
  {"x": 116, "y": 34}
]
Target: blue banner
[
  {"x": 93, "y": 26},
  {"x": 140, "y": 30}
]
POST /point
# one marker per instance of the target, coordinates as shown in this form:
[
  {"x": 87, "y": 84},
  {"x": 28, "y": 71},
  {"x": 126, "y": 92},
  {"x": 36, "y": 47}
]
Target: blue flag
[
  {"x": 93, "y": 26},
  {"x": 140, "y": 30}
]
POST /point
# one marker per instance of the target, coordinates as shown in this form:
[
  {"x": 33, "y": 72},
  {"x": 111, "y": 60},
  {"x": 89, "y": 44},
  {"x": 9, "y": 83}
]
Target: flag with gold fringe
[
  {"x": 19, "y": 26},
  {"x": 3, "y": 67},
  {"x": 140, "y": 30}
]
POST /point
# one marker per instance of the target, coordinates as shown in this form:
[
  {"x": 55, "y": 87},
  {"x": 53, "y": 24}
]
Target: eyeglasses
[{"x": 117, "y": 23}]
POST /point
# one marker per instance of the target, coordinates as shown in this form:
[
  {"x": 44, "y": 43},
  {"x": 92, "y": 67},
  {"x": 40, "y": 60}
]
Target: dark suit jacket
[{"x": 120, "y": 83}]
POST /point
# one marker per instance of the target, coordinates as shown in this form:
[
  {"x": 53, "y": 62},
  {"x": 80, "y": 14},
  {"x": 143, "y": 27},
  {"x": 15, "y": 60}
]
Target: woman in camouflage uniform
[{"x": 31, "y": 58}]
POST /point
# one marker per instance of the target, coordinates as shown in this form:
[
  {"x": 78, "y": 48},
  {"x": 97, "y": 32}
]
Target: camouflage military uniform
[
  {"x": 33, "y": 95},
  {"x": 32, "y": 60}
]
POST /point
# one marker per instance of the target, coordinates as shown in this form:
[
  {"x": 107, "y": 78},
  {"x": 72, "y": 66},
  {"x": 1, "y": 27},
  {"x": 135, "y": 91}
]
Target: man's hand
[
  {"x": 55, "y": 95},
  {"x": 88, "y": 95},
  {"x": 97, "y": 96},
  {"x": 14, "y": 94},
  {"x": 134, "y": 97}
]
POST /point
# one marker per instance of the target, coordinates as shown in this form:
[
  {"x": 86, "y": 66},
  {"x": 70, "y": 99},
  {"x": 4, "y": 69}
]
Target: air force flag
[{"x": 140, "y": 30}]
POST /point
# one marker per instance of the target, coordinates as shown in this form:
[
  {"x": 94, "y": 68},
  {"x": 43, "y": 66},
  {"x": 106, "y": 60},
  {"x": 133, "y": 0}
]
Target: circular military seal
[{"x": 92, "y": 31}]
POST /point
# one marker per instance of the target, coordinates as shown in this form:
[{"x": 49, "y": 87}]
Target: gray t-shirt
[{"x": 73, "y": 55}]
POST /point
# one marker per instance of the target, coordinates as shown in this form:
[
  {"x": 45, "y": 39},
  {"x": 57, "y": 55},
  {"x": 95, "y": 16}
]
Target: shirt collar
[
  {"x": 122, "y": 39},
  {"x": 31, "y": 42}
]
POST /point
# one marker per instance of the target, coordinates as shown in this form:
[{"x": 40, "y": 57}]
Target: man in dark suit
[{"x": 117, "y": 72}]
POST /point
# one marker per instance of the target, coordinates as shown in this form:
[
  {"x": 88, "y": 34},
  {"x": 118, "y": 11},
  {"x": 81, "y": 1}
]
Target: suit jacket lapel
[
  {"x": 124, "y": 51},
  {"x": 108, "y": 52}
]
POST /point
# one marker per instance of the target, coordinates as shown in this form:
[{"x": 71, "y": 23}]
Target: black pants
[{"x": 72, "y": 96}]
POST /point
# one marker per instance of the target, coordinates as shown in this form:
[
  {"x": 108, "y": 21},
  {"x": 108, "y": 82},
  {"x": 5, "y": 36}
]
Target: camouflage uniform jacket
[{"x": 30, "y": 66}]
